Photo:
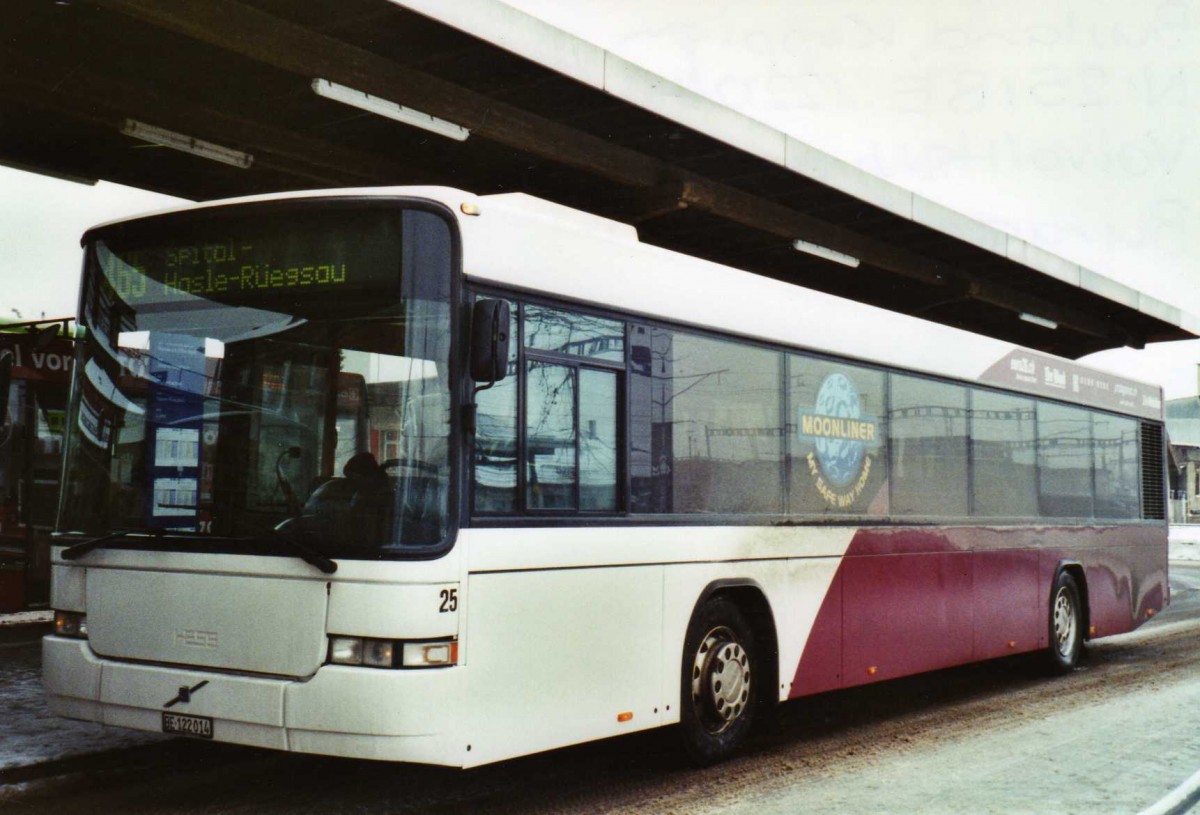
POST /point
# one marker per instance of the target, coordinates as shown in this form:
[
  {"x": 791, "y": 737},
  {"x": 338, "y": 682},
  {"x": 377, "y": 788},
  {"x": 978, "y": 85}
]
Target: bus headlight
[
  {"x": 345, "y": 650},
  {"x": 70, "y": 624},
  {"x": 376, "y": 653}
]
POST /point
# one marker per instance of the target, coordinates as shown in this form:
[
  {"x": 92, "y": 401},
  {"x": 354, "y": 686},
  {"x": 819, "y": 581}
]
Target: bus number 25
[{"x": 449, "y": 601}]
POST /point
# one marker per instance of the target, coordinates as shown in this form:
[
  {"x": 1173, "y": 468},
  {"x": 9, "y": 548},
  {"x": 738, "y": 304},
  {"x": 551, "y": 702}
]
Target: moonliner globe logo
[{"x": 842, "y": 436}]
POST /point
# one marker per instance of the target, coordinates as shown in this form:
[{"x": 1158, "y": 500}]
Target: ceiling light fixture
[
  {"x": 827, "y": 254},
  {"x": 186, "y": 144},
  {"x": 1036, "y": 320},
  {"x": 391, "y": 110}
]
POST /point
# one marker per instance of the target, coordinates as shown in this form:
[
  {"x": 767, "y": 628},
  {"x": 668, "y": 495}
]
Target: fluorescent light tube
[
  {"x": 389, "y": 109},
  {"x": 1036, "y": 320},
  {"x": 186, "y": 144},
  {"x": 827, "y": 254}
]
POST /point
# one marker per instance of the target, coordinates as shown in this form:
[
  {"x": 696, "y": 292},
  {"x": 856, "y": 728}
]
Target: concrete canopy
[{"x": 548, "y": 114}]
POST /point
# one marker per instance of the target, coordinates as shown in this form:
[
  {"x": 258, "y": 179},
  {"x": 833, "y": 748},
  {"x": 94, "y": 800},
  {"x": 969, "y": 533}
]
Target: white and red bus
[{"x": 419, "y": 475}]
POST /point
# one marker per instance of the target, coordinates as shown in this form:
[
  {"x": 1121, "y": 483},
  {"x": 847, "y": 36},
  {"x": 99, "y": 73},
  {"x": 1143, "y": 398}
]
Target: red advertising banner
[{"x": 50, "y": 364}]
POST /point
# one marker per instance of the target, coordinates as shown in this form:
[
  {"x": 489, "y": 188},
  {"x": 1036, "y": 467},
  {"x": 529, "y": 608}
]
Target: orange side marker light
[
  {"x": 1012, "y": 643},
  {"x": 625, "y": 717},
  {"x": 872, "y": 671}
]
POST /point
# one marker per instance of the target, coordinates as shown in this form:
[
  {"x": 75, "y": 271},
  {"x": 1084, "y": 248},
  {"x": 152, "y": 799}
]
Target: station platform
[{"x": 25, "y": 625}]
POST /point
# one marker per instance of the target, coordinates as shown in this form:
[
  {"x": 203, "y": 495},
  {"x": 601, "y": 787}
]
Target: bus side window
[
  {"x": 551, "y": 436},
  {"x": 573, "y": 365},
  {"x": 928, "y": 425},
  {"x": 598, "y": 440},
  {"x": 1065, "y": 461},
  {"x": 571, "y": 438},
  {"x": 1004, "y": 479},
  {"x": 1115, "y": 449},
  {"x": 714, "y": 411}
]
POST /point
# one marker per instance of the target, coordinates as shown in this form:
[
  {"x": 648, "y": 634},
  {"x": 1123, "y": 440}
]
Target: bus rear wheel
[
  {"x": 1066, "y": 625},
  {"x": 719, "y": 690}
]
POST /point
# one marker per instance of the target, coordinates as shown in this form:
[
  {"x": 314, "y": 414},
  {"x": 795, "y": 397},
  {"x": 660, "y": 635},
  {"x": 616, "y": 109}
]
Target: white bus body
[{"x": 570, "y": 628}]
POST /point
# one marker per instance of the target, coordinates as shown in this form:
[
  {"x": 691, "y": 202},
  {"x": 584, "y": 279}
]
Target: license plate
[{"x": 200, "y": 727}]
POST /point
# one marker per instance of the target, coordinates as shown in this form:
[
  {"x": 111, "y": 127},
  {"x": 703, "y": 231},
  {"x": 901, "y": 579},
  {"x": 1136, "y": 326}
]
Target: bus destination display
[
  {"x": 298, "y": 262},
  {"x": 223, "y": 272}
]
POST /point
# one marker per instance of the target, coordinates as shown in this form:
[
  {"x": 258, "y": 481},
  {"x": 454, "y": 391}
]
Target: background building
[{"x": 1183, "y": 430}]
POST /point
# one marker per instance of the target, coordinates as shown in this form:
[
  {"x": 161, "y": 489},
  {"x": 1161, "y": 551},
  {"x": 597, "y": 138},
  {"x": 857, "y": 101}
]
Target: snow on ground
[
  {"x": 31, "y": 734},
  {"x": 1185, "y": 542},
  {"x": 26, "y": 617}
]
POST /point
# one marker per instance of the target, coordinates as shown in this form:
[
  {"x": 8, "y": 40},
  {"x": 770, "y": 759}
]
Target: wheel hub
[
  {"x": 1064, "y": 623},
  {"x": 720, "y": 680}
]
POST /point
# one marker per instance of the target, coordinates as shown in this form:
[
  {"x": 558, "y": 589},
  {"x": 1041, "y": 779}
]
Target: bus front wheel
[
  {"x": 1066, "y": 624},
  {"x": 719, "y": 689}
]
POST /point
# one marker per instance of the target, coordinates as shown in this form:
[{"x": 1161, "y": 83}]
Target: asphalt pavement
[{"x": 32, "y": 741}]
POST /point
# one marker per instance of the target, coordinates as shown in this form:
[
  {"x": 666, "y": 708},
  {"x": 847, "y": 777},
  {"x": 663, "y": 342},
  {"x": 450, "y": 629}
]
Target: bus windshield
[{"x": 247, "y": 373}]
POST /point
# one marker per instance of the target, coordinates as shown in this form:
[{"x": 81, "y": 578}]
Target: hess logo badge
[{"x": 195, "y": 638}]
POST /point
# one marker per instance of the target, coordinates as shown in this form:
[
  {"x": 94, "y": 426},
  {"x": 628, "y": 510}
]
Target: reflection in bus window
[
  {"x": 715, "y": 435},
  {"x": 1116, "y": 466},
  {"x": 1065, "y": 461},
  {"x": 569, "y": 332},
  {"x": 928, "y": 422},
  {"x": 1004, "y": 477},
  {"x": 598, "y": 440},
  {"x": 231, "y": 398},
  {"x": 551, "y": 434}
]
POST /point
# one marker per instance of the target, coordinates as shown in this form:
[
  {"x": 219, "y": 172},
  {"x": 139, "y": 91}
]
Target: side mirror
[{"x": 489, "y": 341}]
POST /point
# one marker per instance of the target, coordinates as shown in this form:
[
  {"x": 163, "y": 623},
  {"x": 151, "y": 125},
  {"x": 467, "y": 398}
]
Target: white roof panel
[{"x": 521, "y": 34}]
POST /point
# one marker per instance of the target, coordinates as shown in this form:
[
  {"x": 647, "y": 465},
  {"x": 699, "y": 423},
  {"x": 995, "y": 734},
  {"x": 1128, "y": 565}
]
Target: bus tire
[
  {"x": 719, "y": 690},
  {"x": 1066, "y": 625}
]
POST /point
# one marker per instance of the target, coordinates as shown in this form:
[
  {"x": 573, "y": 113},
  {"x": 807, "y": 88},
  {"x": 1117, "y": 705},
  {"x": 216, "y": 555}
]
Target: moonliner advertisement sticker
[{"x": 842, "y": 462}]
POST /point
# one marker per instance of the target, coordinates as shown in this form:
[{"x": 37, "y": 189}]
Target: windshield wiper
[
  {"x": 78, "y": 550},
  {"x": 326, "y": 565}
]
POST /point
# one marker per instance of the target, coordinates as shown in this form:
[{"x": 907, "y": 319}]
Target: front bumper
[{"x": 401, "y": 715}]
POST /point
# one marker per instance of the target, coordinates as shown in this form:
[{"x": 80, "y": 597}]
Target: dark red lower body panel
[{"x": 918, "y": 599}]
